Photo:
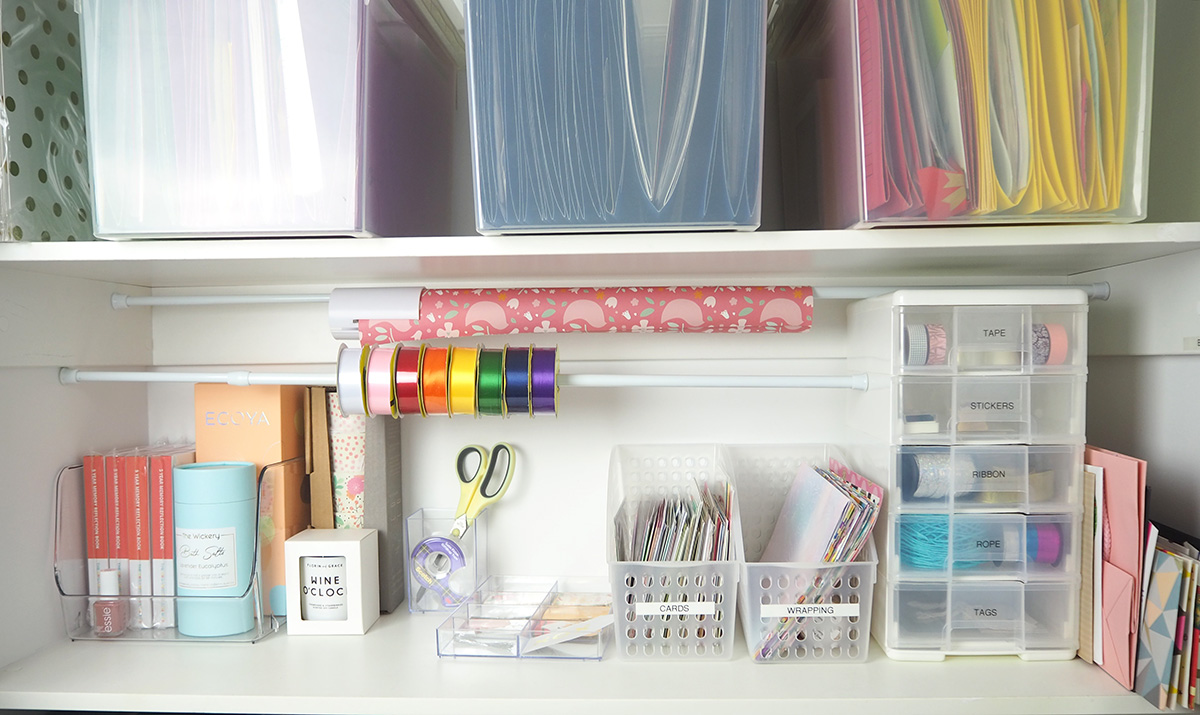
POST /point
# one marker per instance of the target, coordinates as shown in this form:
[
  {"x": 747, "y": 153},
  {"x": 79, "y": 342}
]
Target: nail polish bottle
[{"x": 110, "y": 613}]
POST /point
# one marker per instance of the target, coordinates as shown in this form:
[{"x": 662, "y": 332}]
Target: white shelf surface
[
  {"x": 395, "y": 669},
  {"x": 899, "y": 254}
]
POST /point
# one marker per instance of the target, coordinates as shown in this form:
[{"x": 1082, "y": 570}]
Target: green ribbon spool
[{"x": 491, "y": 382}]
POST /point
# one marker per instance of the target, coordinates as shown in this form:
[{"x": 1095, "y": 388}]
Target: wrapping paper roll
[
  {"x": 724, "y": 309},
  {"x": 347, "y": 452}
]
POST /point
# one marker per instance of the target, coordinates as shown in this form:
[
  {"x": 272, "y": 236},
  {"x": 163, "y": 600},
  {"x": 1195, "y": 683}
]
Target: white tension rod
[
  {"x": 1094, "y": 291},
  {"x": 71, "y": 376}
]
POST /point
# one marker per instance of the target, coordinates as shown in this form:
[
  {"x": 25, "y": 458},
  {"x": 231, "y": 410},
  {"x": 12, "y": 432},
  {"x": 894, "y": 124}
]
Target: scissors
[{"x": 484, "y": 479}]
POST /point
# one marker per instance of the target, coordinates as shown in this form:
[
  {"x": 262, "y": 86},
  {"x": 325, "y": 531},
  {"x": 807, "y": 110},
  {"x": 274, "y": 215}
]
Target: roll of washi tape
[
  {"x": 491, "y": 382},
  {"x": 435, "y": 371},
  {"x": 349, "y": 388},
  {"x": 381, "y": 384},
  {"x": 1059, "y": 344},
  {"x": 362, "y": 376},
  {"x": 463, "y": 364},
  {"x": 433, "y": 561},
  {"x": 1044, "y": 543},
  {"x": 408, "y": 380},
  {"x": 1041, "y": 344},
  {"x": 917, "y": 342},
  {"x": 543, "y": 381},
  {"x": 516, "y": 381},
  {"x": 935, "y": 333}
]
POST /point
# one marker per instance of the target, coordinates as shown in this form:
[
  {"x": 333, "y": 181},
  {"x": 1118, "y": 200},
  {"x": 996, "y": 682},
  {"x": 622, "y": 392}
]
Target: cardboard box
[{"x": 263, "y": 424}]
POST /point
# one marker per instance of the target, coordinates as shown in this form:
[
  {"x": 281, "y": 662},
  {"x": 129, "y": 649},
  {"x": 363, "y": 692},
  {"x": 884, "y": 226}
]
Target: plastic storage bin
[
  {"x": 45, "y": 194},
  {"x": 227, "y": 119},
  {"x": 986, "y": 478},
  {"x": 143, "y": 617},
  {"x": 974, "y": 332},
  {"x": 1010, "y": 546},
  {"x": 516, "y": 617},
  {"x": 790, "y": 612},
  {"x": 1038, "y": 621},
  {"x": 445, "y": 582},
  {"x": 672, "y": 609},
  {"x": 1018, "y": 112},
  {"x": 616, "y": 115}
]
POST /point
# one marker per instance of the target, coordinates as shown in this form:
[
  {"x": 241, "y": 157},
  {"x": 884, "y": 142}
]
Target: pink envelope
[{"x": 1124, "y": 517}]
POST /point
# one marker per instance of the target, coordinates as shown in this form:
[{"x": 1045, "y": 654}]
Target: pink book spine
[
  {"x": 162, "y": 543},
  {"x": 96, "y": 516},
  {"x": 138, "y": 521},
  {"x": 118, "y": 547}
]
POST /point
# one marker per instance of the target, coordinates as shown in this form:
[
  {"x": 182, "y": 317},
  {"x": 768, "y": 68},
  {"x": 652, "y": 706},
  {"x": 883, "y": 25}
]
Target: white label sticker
[
  {"x": 810, "y": 610},
  {"x": 1192, "y": 344},
  {"x": 676, "y": 608},
  {"x": 205, "y": 558}
]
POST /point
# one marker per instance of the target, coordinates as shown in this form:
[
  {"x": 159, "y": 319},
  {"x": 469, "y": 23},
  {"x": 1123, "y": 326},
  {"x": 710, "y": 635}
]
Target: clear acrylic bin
[
  {"x": 519, "y": 617},
  {"x": 672, "y": 609},
  {"x": 1005, "y": 546},
  {"x": 960, "y": 478},
  {"x": 45, "y": 194},
  {"x": 1037, "y": 621},
  {"x": 445, "y": 583},
  {"x": 612, "y": 115},
  {"x": 147, "y": 617},
  {"x": 1044, "y": 409},
  {"x": 834, "y": 598},
  {"x": 231, "y": 119},
  {"x": 930, "y": 114}
]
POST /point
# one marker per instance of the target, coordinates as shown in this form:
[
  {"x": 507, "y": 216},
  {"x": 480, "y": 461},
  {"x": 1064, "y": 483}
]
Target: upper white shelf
[
  {"x": 816, "y": 257},
  {"x": 395, "y": 669}
]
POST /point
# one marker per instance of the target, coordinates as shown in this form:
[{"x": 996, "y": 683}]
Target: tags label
[
  {"x": 676, "y": 608},
  {"x": 810, "y": 610}
]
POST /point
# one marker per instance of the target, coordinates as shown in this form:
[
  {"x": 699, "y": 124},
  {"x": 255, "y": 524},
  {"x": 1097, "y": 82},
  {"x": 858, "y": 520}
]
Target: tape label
[
  {"x": 810, "y": 610},
  {"x": 676, "y": 608},
  {"x": 1192, "y": 344}
]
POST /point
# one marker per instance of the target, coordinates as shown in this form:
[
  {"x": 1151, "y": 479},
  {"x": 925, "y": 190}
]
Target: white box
[{"x": 357, "y": 581}]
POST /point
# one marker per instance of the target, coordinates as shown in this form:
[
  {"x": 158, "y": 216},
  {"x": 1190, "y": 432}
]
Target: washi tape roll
[
  {"x": 435, "y": 370},
  {"x": 936, "y": 336},
  {"x": 516, "y": 381},
  {"x": 916, "y": 344},
  {"x": 463, "y": 364},
  {"x": 491, "y": 382},
  {"x": 1043, "y": 543},
  {"x": 1050, "y": 344},
  {"x": 349, "y": 387},
  {"x": 543, "y": 381},
  {"x": 381, "y": 384},
  {"x": 408, "y": 380}
]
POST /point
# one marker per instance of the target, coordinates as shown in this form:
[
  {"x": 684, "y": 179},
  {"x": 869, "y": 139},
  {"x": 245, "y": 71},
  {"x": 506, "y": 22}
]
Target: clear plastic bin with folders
[
  {"x": 966, "y": 112},
  {"x": 179, "y": 577}
]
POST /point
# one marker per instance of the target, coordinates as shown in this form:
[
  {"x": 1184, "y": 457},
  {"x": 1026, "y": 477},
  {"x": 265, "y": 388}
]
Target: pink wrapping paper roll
[{"x": 723, "y": 309}]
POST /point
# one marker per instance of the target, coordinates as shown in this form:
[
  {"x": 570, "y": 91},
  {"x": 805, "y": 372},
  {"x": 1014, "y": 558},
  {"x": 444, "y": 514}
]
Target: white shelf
[
  {"x": 765, "y": 256},
  {"x": 395, "y": 668}
]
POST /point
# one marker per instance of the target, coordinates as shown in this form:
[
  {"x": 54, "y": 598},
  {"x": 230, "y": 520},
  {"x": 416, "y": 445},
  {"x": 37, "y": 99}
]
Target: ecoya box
[
  {"x": 227, "y": 118},
  {"x": 262, "y": 424}
]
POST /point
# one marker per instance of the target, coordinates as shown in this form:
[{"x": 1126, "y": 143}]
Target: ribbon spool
[
  {"x": 381, "y": 382},
  {"x": 543, "y": 381},
  {"x": 490, "y": 379},
  {"x": 363, "y": 358},
  {"x": 433, "y": 562},
  {"x": 349, "y": 385},
  {"x": 435, "y": 371},
  {"x": 516, "y": 381},
  {"x": 461, "y": 391},
  {"x": 408, "y": 380}
]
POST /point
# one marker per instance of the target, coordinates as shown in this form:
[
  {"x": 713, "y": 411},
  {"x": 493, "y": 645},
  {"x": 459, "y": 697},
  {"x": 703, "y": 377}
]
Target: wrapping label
[{"x": 810, "y": 610}]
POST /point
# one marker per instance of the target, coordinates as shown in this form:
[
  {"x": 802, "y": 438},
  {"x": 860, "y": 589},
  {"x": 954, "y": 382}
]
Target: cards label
[{"x": 676, "y": 608}]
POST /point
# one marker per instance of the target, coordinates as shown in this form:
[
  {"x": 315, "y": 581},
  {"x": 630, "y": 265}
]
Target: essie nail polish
[{"x": 110, "y": 614}]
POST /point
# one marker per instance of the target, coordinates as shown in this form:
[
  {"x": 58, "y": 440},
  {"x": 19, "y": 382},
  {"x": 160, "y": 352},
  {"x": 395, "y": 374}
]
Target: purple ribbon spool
[
  {"x": 433, "y": 561},
  {"x": 543, "y": 369}
]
